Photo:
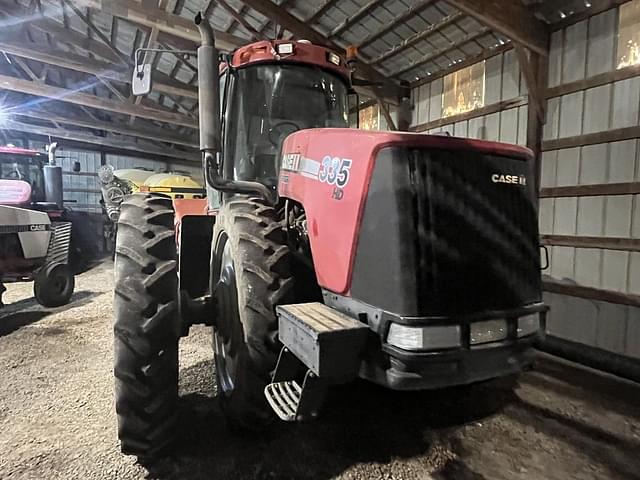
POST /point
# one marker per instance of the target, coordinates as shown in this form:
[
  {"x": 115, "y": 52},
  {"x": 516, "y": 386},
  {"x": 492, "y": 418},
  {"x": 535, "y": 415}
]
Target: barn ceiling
[{"x": 66, "y": 65}]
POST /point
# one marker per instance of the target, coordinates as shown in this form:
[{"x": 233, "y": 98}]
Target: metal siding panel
[
  {"x": 546, "y": 216},
  {"x": 509, "y": 126},
  {"x": 582, "y": 320},
  {"x": 622, "y": 161},
  {"x": 548, "y": 174},
  {"x": 612, "y": 327},
  {"x": 460, "y": 129},
  {"x": 602, "y": 30},
  {"x": 575, "y": 51},
  {"x": 435, "y": 100},
  {"x": 593, "y": 164},
  {"x": 476, "y": 128},
  {"x": 634, "y": 281},
  {"x": 566, "y": 212},
  {"x": 618, "y": 216},
  {"x": 510, "y": 75},
  {"x": 553, "y": 119},
  {"x": 493, "y": 79},
  {"x": 523, "y": 113},
  {"x": 571, "y": 114},
  {"x": 614, "y": 270},
  {"x": 588, "y": 267},
  {"x": 626, "y": 101},
  {"x": 597, "y": 105},
  {"x": 555, "y": 58},
  {"x": 563, "y": 262},
  {"x": 590, "y": 216},
  {"x": 568, "y": 166},
  {"x": 632, "y": 347},
  {"x": 423, "y": 103},
  {"x": 635, "y": 221},
  {"x": 492, "y": 127}
]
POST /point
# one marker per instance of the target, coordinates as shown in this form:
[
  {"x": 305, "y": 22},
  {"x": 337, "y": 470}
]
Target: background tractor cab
[{"x": 333, "y": 252}]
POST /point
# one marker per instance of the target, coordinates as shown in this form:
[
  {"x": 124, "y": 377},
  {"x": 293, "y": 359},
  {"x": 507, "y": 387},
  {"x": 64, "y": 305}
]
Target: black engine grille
[{"x": 440, "y": 237}]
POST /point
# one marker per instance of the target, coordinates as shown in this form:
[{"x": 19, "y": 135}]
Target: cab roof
[{"x": 18, "y": 150}]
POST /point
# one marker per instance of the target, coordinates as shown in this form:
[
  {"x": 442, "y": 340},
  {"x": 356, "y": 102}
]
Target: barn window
[
  {"x": 463, "y": 90},
  {"x": 629, "y": 34},
  {"x": 370, "y": 118}
]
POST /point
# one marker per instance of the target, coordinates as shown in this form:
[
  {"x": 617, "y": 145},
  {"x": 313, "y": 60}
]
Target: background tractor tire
[
  {"x": 251, "y": 274},
  {"x": 53, "y": 287},
  {"x": 147, "y": 325}
]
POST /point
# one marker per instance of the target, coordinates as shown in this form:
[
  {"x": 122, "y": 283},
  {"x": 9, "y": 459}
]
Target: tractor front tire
[
  {"x": 251, "y": 274},
  {"x": 147, "y": 325},
  {"x": 53, "y": 287}
]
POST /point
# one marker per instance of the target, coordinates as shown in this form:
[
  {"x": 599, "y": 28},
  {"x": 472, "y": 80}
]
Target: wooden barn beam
[
  {"x": 117, "y": 143},
  {"x": 301, "y": 29},
  {"x": 162, "y": 83},
  {"x": 510, "y": 18},
  {"x": 356, "y": 17},
  {"x": 239, "y": 17},
  {"x": 70, "y": 96},
  {"x": 166, "y": 22},
  {"x": 155, "y": 134}
]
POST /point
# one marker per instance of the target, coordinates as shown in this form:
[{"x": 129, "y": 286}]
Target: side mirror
[
  {"x": 141, "y": 81},
  {"x": 76, "y": 166}
]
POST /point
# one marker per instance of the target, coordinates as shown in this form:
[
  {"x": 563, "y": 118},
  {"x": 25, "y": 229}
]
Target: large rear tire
[
  {"x": 251, "y": 275},
  {"x": 147, "y": 325}
]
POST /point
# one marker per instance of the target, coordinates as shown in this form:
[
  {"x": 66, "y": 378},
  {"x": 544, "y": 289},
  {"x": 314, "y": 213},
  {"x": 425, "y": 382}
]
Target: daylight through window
[{"x": 463, "y": 90}]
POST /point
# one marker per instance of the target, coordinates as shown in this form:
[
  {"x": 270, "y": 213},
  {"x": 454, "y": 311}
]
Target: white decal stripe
[{"x": 309, "y": 167}]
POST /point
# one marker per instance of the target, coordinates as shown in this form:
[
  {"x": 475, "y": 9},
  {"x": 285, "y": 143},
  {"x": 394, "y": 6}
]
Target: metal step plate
[
  {"x": 284, "y": 398},
  {"x": 325, "y": 340}
]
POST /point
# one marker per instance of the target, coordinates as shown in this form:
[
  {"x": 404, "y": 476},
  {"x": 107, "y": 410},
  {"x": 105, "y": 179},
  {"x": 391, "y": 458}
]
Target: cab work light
[
  {"x": 488, "y": 331},
  {"x": 528, "y": 325},
  {"x": 424, "y": 338},
  {"x": 285, "y": 48},
  {"x": 333, "y": 58}
]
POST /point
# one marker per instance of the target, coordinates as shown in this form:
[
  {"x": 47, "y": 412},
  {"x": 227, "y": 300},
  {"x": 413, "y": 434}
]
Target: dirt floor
[{"x": 57, "y": 416}]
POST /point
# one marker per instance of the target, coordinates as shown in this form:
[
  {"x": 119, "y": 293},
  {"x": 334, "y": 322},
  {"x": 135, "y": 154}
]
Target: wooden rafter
[
  {"x": 239, "y": 17},
  {"x": 74, "y": 97},
  {"x": 356, "y": 17},
  {"x": 117, "y": 143},
  {"x": 408, "y": 14},
  {"x": 510, "y": 18},
  {"x": 166, "y": 22}
]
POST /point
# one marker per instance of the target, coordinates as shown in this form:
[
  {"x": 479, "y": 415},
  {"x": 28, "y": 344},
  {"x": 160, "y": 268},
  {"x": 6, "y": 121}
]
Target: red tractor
[{"x": 409, "y": 260}]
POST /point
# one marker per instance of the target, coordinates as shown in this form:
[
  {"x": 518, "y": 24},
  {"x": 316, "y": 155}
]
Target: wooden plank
[
  {"x": 77, "y": 98},
  {"x": 510, "y": 18},
  {"x": 487, "y": 110},
  {"x": 162, "y": 83},
  {"x": 93, "y": 140},
  {"x": 596, "y": 190},
  {"x": 604, "y": 243},
  {"x": 616, "y": 135},
  {"x": 356, "y": 17},
  {"x": 590, "y": 293},
  {"x": 594, "y": 81},
  {"x": 238, "y": 17}
]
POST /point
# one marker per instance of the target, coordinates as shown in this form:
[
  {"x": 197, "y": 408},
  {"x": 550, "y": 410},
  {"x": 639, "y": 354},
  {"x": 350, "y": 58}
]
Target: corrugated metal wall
[
  {"x": 578, "y": 52},
  {"x": 503, "y": 82}
]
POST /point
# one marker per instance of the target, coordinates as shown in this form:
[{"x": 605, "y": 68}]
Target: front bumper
[{"x": 401, "y": 369}]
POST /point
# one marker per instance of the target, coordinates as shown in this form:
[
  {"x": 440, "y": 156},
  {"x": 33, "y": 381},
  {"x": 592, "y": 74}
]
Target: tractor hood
[{"x": 14, "y": 192}]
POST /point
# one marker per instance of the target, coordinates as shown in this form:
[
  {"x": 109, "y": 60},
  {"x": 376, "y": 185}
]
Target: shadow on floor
[
  {"x": 362, "y": 423},
  {"x": 16, "y": 315}
]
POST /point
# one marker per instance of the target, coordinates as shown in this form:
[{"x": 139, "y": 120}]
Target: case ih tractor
[
  {"x": 34, "y": 237},
  {"x": 408, "y": 260}
]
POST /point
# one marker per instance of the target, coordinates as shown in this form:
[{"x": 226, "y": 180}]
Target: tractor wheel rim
[{"x": 228, "y": 313}]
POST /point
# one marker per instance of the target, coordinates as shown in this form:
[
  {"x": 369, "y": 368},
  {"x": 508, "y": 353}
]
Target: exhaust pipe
[
  {"x": 52, "y": 153},
  {"x": 209, "y": 115}
]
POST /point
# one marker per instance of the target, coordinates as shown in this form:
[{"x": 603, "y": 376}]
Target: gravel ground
[{"x": 57, "y": 417}]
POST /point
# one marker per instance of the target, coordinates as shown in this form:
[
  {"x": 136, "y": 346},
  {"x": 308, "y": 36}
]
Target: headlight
[
  {"x": 424, "y": 338},
  {"x": 488, "y": 331},
  {"x": 528, "y": 325}
]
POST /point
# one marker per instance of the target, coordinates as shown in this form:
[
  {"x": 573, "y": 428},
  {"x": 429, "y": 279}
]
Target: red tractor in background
[{"x": 408, "y": 260}]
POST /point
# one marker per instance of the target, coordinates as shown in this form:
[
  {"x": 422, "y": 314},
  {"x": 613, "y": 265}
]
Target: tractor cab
[
  {"x": 21, "y": 176},
  {"x": 271, "y": 89}
]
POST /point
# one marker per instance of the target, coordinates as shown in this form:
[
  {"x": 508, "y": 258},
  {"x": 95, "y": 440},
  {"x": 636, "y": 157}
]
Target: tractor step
[{"x": 321, "y": 347}]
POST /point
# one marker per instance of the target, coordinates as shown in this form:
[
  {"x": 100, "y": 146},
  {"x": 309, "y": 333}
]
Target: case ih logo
[
  {"x": 511, "y": 179},
  {"x": 291, "y": 161}
]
